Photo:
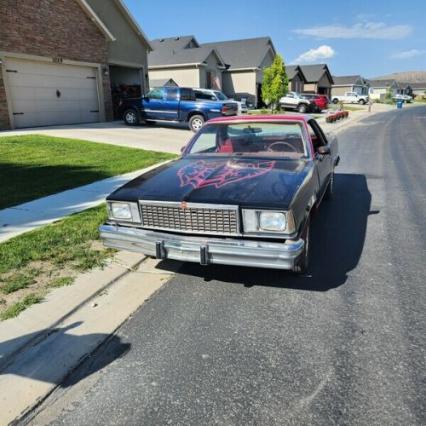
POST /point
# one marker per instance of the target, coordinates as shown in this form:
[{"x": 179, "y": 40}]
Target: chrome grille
[{"x": 193, "y": 218}]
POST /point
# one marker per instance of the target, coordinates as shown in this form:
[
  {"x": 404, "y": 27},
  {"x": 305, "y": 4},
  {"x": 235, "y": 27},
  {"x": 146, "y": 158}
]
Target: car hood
[{"x": 240, "y": 181}]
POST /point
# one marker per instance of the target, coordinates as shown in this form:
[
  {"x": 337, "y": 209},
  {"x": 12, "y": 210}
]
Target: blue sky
[{"x": 370, "y": 38}]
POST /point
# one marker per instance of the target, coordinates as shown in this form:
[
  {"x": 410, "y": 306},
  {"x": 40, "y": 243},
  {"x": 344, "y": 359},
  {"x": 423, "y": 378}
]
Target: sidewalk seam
[{"x": 41, "y": 336}]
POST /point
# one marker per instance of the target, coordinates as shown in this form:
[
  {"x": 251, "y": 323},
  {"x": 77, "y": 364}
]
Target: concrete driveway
[{"x": 164, "y": 137}]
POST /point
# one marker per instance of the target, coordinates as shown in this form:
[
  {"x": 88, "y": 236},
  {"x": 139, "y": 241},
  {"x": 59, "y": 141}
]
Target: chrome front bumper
[{"x": 203, "y": 250}]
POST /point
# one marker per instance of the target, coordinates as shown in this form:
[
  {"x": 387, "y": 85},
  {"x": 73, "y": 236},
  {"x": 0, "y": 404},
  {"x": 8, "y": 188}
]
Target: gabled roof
[
  {"x": 103, "y": 28},
  {"x": 314, "y": 72},
  {"x": 132, "y": 22},
  {"x": 179, "y": 51},
  {"x": 348, "y": 80},
  {"x": 382, "y": 83},
  {"x": 196, "y": 56},
  {"x": 245, "y": 53},
  {"x": 418, "y": 85},
  {"x": 292, "y": 70},
  {"x": 174, "y": 43},
  {"x": 161, "y": 82}
]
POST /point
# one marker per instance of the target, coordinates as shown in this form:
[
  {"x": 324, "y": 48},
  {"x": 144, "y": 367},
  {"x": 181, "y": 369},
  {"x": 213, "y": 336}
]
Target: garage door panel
[{"x": 52, "y": 94}]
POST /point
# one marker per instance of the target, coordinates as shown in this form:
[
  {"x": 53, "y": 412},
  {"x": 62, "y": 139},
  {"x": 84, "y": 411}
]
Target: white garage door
[{"x": 45, "y": 94}]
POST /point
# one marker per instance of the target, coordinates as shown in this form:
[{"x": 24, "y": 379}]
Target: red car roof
[{"x": 261, "y": 117}]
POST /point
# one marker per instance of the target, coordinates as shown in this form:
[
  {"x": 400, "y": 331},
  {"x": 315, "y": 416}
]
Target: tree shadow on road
[
  {"x": 49, "y": 355},
  {"x": 337, "y": 241}
]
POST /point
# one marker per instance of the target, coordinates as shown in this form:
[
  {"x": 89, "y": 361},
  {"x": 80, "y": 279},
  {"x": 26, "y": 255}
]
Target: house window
[{"x": 209, "y": 81}]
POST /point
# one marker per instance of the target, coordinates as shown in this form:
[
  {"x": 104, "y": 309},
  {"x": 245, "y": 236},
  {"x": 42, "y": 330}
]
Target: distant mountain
[{"x": 406, "y": 77}]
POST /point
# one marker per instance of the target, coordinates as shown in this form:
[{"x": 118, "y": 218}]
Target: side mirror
[{"x": 324, "y": 150}]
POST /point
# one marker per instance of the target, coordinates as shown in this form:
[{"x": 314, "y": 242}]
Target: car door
[
  {"x": 153, "y": 104},
  {"x": 289, "y": 101},
  {"x": 323, "y": 162}
]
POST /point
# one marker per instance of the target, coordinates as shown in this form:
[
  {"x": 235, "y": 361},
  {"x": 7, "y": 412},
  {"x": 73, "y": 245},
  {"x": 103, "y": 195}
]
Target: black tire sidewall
[{"x": 136, "y": 117}]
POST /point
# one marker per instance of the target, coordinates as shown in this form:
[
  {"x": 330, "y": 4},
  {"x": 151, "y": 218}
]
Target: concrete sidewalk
[{"x": 25, "y": 217}]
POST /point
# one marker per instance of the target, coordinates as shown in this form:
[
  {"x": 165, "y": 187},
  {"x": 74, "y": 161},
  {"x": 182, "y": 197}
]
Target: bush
[{"x": 331, "y": 118}]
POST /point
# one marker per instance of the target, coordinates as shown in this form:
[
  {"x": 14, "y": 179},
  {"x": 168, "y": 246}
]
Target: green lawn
[
  {"x": 33, "y": 166},
  {"x": 33, "y": 263}
]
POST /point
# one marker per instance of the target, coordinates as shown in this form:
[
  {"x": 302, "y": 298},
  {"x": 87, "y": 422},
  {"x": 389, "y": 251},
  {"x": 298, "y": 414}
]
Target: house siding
[
  {"x": 127, "y": 48},
  {"x": 341, "y": 90},
  {"x": 50, "y": 29},
  {"x": 212, "y": 65},
  {"x": 240, "y": 82},
  {"x": 184, "y": 77}
]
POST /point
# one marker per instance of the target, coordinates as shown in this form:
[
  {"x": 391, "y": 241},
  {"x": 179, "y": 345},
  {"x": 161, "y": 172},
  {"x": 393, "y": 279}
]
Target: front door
[
  {"x": 161, "y": 103},
  {"x": 324, "y": 162}
]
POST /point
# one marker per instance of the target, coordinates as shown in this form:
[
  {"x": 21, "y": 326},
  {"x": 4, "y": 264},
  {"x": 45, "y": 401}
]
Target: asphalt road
[{"x": 233, "y": 346}]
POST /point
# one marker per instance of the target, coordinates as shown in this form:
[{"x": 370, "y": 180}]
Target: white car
[
  {"x": 404, "y": 98},
  {"x": 350, "y": 98},
  {"x": 296, "y": 101},
  {"x": 217, "y": 95}
]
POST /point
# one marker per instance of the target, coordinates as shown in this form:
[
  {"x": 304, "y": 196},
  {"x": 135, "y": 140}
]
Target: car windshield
[
  {"x": 221, "y": 96},
  {"x": 283, "y": 139}
]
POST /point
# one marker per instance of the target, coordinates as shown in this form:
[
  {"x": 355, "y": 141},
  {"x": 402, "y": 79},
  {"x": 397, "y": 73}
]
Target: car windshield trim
[{"x": 257, "y": 139}]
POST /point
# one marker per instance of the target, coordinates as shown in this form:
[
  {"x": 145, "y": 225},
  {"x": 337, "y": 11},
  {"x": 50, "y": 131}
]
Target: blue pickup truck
[{"x": 177, "y": 104}]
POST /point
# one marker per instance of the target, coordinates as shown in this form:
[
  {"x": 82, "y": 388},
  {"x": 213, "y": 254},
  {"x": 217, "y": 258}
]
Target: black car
[{"x": 242, "y": 193}]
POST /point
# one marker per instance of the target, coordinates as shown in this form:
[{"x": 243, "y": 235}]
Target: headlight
[
  {"x": 123, "y": 211},
  {"x": 272, "y": 221},
  {"x": 267, "y": 221}
]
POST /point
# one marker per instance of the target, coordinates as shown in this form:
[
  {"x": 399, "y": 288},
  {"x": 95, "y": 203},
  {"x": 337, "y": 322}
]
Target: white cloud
[
  {"x": 408, "y": 54},
  {"x": 366, "y": 30},
  {"x": 313, "y": 55}
]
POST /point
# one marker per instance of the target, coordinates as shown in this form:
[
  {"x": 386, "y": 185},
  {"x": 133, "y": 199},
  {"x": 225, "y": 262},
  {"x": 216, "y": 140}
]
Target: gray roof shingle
[
  {"x": 347, "y": 79},
  {"x": 246, "y": 53},
  {"x": 314, "y": 72}
]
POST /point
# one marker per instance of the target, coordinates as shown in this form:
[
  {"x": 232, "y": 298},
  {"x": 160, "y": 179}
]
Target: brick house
[{"x": 60, "y": 60}]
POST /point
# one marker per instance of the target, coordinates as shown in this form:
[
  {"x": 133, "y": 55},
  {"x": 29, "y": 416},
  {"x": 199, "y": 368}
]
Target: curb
[
  {"x": 40, "y": 365},
  {"x": 8, "y": 359}
]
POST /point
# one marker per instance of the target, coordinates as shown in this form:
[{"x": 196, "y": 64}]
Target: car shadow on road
[
  {"x": 337, "y": 240},
  {"x": 49, "y": 355}
]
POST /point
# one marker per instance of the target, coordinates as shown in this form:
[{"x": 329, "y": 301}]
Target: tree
[
  {"x": 275, "y": 82},
  {"x": 389, "y": 95}
]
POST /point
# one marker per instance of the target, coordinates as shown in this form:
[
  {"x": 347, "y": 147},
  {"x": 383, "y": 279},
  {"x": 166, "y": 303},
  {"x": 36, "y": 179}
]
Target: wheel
[
  {"x": 361, "y": 101},
  {"x": 302, "y": 108},
  {"x": 196, "y": 122},
  {"x": 335, "y": 101},
  {"x": 302, "y": 263},
  {"x": 330, "y": 188},
  {"x": 131, "y": 117}
]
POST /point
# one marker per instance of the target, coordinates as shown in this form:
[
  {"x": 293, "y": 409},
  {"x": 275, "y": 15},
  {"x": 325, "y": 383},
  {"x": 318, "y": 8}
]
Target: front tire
[
  {"x": 302, "y": 263},
  {"x": 361, "y": 101},
  {"x": 196, "y": 122},
  {"x": 335, "y": 101},
  {"x": 302, "y": 108},
  {"x": 131, "y": 117}
]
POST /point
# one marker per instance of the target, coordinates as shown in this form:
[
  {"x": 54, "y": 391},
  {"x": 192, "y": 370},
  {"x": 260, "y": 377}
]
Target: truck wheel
[
  {"x": 335, "y": 101},
  {"x": 361, "y": 101},
  {"x": 330, "y": 188},
  {"x": 302, "y": 263},
  {"x": 196, "y": 122},
  {"x": 302, "y": 108},
  {"x": 131, "y": 117}
]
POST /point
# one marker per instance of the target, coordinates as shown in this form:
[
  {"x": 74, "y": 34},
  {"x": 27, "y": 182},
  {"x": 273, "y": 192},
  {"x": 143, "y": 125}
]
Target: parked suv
[
  {"x": 320, "y": 101},
  {"x": 176, "y": 104},
  {"x": 217, "y": 95},
  {"x": 296, "y": 101}
]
